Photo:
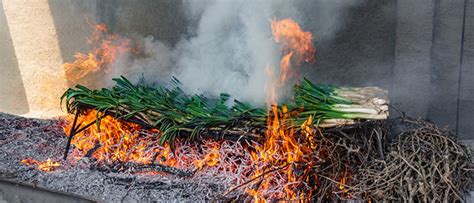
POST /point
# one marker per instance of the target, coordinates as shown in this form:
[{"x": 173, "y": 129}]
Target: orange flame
[
  {"x": 210, "y": 159},
  {"x": 282, "y": 147},
  {"x": 282, "y": 150},
  {"x": 118, "y": 140},
  {"x": 46, "y": 166},
  {"x": 297, "y": 46},
  {"x": 105, "y": 48},
  {"x": 343, "y": 182}
]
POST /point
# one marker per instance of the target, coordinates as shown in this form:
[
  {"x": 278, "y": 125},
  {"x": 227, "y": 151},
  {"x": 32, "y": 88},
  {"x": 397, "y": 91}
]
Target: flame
[
  {"x": 105, "y": 48},
  {"x": 343, "y": 181},
  {"x": 120, "y": 141},
  {"x": 210, "y": 159},
  {"x": 283, "y": 148},
  {"x": 117, "y": 140},
  {"x": 296, "y": 46},
  {"x": 46, "y": 166},
  {"x": 285, "y": 64},
  {"x": 270, "y": 88}
]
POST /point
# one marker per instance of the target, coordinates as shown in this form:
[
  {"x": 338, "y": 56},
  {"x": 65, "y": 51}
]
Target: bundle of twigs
[
  {"x": 176, "y": 113},
  {"x": 425, "y": 164},
  {"x": 343, "y": 151}
]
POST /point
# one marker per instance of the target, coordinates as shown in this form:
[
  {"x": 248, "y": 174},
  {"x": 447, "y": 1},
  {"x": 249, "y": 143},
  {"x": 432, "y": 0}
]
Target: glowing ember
[
  {"x": 46, "y": 166},
  {"x": 211, "y": 159},
  {"x": 343, "y": 182}
]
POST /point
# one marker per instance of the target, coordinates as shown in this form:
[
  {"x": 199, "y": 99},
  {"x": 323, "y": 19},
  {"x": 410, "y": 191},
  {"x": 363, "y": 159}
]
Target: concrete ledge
[{"x": 12, "y": 191}]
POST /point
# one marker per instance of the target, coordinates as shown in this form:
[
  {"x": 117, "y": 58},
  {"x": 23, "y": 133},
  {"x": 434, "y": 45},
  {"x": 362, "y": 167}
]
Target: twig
[
  {"x": 255, "y": 178},
  {"x": 71, "y": 134}
]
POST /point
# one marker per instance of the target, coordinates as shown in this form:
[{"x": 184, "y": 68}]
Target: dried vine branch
[{"x": 424, "y": 164}]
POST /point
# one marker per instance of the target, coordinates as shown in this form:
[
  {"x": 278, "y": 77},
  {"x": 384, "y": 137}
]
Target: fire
[
  {"x": 120, "y": 141},
  {"x": 46, "y": 166},
  {"x": 285, "y": 153},
  {"x": 211, "y": 159},
  {"x": 296, "y": 45},
  {"x": 343, "y": 182},
  {"x": 116, "y": 140},
  {"x": 285, "y": 161},
  {"x": 282, "y": 149},
  {"x": 105, "y": 48}
]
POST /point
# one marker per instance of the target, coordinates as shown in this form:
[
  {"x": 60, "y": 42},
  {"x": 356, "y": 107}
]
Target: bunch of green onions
[{"x": 176, "y": 113}]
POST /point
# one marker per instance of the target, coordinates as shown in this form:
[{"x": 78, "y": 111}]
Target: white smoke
[
  {"x": 154, "y": 65},
  {"x": 231, "y": 49},
  {"x": 324, "y": 18}
]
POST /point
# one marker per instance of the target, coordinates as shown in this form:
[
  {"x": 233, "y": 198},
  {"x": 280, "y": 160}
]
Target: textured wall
[
  {"x": 38, "y": 55},
  {"x": 12, "y": 92},
  {"x": 362, "y": 50},
  {"x": 445, "y": 61},
  {"x": 73, "y": 21},
  {"x": 163, "y": 19},
  {"x": 421, "y": 51},
  {"x": 466, "y": 93},
  {"x": 411, "y": 76}
]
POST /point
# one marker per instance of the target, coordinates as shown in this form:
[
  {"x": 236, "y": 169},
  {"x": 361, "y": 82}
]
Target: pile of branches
[
  {"x": 177, "y": 114},
  {"x": 373, "y": 160},
  {"x": 345, "y": 151},
  {"x": 339, "y": 152},
  {"x": 424, "y": 163}
]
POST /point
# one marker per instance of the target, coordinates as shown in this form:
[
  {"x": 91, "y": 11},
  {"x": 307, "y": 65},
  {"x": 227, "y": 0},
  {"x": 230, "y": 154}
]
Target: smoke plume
[{"x": 232, "y": 47}]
